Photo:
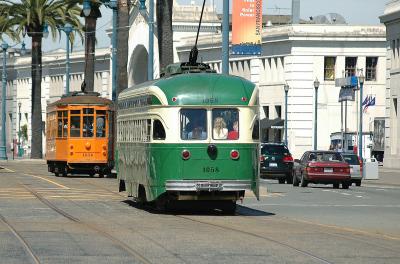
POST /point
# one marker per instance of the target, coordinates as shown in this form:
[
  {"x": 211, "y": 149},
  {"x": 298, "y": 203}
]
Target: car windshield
[
  {"x": 325, "y": 156},
  {"x": 351, "y": 159},
  {"x": 274, "y": 150}
]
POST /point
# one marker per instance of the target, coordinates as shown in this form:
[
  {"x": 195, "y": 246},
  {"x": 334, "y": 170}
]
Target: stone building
[{"x": 391, "y": 18}]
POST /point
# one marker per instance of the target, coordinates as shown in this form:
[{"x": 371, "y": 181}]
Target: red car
[{"x": 326, "y": 167}]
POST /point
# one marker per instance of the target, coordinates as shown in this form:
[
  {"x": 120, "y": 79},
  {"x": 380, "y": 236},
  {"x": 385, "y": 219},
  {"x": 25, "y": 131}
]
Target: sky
[{"x": 362, "y": 12}]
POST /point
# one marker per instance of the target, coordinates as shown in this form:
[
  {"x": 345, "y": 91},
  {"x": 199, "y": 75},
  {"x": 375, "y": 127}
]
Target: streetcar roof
[
  {"x": 200, "y": 88},
  {"x": 81, "y": 99}
]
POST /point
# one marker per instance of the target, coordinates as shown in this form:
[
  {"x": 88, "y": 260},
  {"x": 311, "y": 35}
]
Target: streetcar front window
[
  {"x": 88, "y": 119},
  {"x": 75, "y": 130},
  {"x": 193, "y": 124},
  {"x": 225, "y": 123}
]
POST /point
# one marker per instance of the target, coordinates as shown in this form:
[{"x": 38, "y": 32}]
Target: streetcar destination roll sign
[{"x": 246, "y": 27}]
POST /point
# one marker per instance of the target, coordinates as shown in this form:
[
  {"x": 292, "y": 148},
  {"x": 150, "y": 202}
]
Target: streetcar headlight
[{"x": 185, "y": 154}]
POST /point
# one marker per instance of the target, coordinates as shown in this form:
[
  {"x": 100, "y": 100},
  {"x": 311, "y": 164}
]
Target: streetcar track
[
  {"x": 287, "y": 220},
  {"x": 123, "y": 245},
  {"x": 306, "y": 253},
  {"x": 303, "y": 252},
  {"x": 357, "y": 232},
  {"x": 25, "y": 244}
]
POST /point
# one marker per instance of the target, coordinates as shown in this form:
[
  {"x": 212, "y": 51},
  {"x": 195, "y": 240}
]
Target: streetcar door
[{"x": 256, "y": 136}]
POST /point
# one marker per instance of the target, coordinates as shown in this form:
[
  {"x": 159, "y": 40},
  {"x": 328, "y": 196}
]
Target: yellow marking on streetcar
[{"x": 53, "y": 182}]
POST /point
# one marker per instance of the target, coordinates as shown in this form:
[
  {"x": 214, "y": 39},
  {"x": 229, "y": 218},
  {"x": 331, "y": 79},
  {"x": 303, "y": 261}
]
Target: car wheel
[
  {"x": 336, "y": 186},
  {"x": 295, "y": 180},
  {"x": 303, "y": 181},
  {"x": 345, "y": 185},
  {"x": 289, "y": 178},
  {"x": 358, "y": 183},
  {"x": 281, "y": 181}
]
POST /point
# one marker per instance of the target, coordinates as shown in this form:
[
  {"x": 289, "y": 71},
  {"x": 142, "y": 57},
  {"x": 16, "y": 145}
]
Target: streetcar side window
[
  {"x": 100, "y": 123},
  {"x": 225, "y": 123},
  {"x": 256, "y": 130},
  {"x": 62, "y": 130},
  {"x": 158, "y": 130},
  {"x": 193, "y": 124}
]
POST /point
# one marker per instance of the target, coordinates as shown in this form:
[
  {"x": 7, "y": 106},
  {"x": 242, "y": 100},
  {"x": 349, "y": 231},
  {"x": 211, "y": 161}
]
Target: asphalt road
[{"x": 77, "y": 219}]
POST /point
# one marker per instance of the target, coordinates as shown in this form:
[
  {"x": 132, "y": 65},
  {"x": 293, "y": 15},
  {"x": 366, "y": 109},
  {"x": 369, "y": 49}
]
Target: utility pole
[{"x": 225, "y": 37}]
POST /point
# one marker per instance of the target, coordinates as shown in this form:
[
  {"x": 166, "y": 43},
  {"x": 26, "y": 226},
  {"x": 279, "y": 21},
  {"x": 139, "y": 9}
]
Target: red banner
[{"x": 246, "y": 27}]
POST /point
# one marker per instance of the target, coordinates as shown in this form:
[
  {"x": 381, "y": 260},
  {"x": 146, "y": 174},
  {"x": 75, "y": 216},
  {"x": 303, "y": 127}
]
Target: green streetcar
[{"x": 191, "y": 135}]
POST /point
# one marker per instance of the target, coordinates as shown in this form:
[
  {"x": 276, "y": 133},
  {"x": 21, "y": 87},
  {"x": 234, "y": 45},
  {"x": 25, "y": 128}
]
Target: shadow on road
[{"x": 196, "y": 208}]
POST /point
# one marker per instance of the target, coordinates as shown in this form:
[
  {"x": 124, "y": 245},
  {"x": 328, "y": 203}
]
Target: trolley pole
[{"x": 225, "y": 37}]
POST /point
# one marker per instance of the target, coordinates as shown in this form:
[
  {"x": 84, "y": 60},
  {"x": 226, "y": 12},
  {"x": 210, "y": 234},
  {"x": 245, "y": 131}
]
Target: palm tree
[
  {"x": 122, "y": 45},
  {"x": 31, "y": 17},
  {"x": 90, "y": 43},
  {"x": 164, "y": 31}
]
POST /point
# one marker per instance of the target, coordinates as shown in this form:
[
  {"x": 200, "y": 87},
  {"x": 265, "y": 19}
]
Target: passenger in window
[
  {"x": 234, "y": 134},
  {"x": 197, "y": 131},
  {"x": 220, "y": 131},
  {"x": 100, "y": 126}
]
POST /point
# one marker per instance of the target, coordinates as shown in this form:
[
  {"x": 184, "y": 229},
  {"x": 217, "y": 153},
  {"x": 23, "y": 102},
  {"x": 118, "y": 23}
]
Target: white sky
[{"x": 365, "y": 12}]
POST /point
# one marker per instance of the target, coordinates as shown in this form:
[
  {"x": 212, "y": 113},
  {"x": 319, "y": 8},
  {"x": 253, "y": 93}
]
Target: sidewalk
[{"x": 387, "y": 176}]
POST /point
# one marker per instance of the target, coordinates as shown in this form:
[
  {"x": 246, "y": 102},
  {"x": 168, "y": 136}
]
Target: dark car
[
  {"x": 276, "y": 162},
  {"x": 326, "y": 167}
]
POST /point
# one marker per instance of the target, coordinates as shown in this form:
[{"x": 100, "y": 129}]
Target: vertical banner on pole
[{"x": 246, "y": 27}]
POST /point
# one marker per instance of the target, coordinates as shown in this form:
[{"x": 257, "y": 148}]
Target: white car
[{"x": 355, "y": 167}]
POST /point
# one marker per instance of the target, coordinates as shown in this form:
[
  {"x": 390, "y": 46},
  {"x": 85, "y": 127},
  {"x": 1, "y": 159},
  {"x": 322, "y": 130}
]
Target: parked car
[
  {"x": 326, "y": 167},
  {"x": 276, "y": 162},
  {"x": 356, "y": 167}
]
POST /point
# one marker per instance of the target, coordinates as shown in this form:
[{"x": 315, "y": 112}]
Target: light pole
[
  {"x": 316, "y": 85},
  {"x": 67, "y": 29},
  {"x": 19, "y": 129},
  {"x": 225, "y": 37},
  {"x": 286, "y": 88},
  {"x": 3, "y": 150},
  {"x": 361, "y": 79}
]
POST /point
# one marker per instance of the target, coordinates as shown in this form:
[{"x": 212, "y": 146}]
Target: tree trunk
[
  {"x": 36, "y": 118},
  {"x": 90, "y": 46},
  {"x": 164, "y": 31},
  {"x": 122, "y": 46}
]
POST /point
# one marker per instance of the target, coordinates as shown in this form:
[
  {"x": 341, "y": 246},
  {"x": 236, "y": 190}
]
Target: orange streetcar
[{"x": 79, "y": 135}]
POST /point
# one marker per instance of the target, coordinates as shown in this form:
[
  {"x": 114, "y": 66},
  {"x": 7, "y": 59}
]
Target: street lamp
[
  {"x": 150, "y": 61},
  {"x": 86, "y": 8},
  {"x": 286, "y": 88},
  {"x": 316, "y": 85},
  {"x": 3, "y": 150},
  {"x": 45, "y": 30},
  {"x": 19, "y": 129},
  {"x": 67, "y": 29},
  {"x": 361, "y": 79}
]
